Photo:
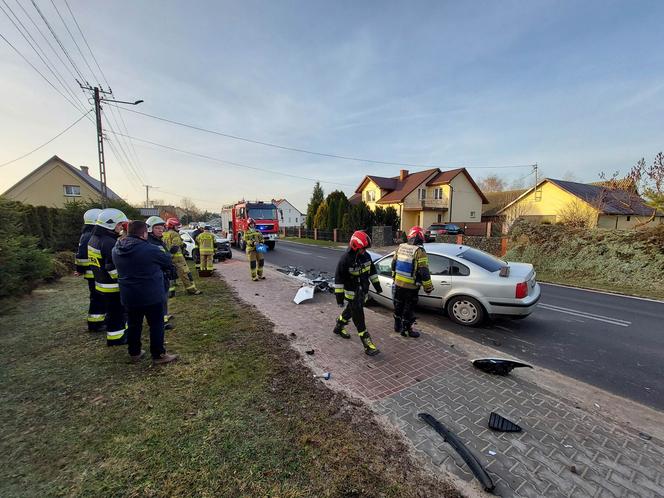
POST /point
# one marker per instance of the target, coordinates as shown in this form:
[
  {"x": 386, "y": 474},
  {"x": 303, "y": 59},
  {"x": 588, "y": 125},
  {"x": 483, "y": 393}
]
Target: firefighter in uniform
[
  {"x": 196, "y": 255},
  {"x": 205, "y": 243},
  {"x": 256, "y": 261},
  {"x": 351, "y": 287},
  {"x": 96, "y": 308},
  {"x": 174, "y": 245},
  {"x": 100, "y": 246},
  {"x": 156, "y": 227},
  {"x": 410, "y": 270}
]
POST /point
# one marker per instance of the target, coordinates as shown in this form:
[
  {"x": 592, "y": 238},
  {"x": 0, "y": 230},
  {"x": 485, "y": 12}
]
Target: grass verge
[{"x": 238, "y": 415}]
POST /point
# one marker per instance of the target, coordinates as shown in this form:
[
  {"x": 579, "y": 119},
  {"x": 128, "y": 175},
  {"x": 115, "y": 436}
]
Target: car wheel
[{"x": 465, "y": 310}]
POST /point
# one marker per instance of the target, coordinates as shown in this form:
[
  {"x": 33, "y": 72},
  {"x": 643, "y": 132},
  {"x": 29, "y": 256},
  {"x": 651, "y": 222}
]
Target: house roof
[
  {"x": 609, "y": 201},
  {"x": 355, "y": 199},
  {"x": 276, "y": 202},
  {"x": 382, "y": 182},
  {"x": 498, "y": 200},
  {"x": 400, "y": 189},
  {"x": 445, "y": 177},
  {"x": 92, "y": 182}
]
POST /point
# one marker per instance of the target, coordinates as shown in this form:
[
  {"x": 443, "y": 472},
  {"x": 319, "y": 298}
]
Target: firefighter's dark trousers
[
  {"x": 154, "y": 316},
  {"x": 256, "y": 263},
  {"x": 96, "y": 308},
  {"x": 354, "y": 310},
  {"x": 115, "y": 320},
  {"x": 405, "y": 301}
]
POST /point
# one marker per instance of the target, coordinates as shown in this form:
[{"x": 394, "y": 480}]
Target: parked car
[
  {"x": 222, "y": 246},
  {"x": 469, "y": 284},
  {"x": 442, "y": 229}
]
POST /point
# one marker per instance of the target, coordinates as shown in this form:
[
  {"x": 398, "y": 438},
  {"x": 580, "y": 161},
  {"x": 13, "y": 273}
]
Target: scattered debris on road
[
  {"x": 499, "y": 423},
  {"x": 645, "y": 436},
  {"x": 498, "y": 366},
  {"x": 312, "y": 281},
  {"x": 470, "y": 459},
  {"x": 310, "y": 351},
  {"x": 325, "y": 376}
]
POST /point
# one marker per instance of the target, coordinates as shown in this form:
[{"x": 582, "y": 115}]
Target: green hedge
[{"x": 30, "y": 235}]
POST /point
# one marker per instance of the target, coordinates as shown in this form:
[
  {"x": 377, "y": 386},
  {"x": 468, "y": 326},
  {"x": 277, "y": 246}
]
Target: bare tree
[
  {"x": 577, "y": 214},
  {"x": 492, "y": 183},
  {"x": 649, "y": 180},
  {"x": 191, "y": 211}
]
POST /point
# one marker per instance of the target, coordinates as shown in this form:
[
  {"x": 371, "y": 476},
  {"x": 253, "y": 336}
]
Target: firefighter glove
[
  {"x": 175, "y": 249},
  {"x": 378, "y": 287}
]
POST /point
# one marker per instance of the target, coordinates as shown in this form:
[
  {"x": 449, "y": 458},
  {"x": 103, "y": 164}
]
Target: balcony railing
[{"x": 427, "y": 204}]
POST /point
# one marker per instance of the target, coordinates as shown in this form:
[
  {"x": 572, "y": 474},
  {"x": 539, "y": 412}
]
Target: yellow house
[
  {"x": 55, "y": 183},
  {"x": 588, "y": 205},
  {"x": 425, "y": 197}
]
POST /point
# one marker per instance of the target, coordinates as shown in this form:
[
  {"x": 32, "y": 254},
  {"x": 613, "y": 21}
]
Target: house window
[
  {"x": 72, "y": 190},
  {"x": 440, "y": 218},
  {"x": 438, "y": 193},
  {"x": 421, "y": 194},
  {"x": 472, "y": 214},
  {"x": 629, "y": 218},
  {"x": 371, "y": 196}
]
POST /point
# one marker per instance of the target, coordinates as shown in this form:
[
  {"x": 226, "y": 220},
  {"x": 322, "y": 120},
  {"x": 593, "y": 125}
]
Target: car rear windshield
[
  {"x": 482, "y": 259},
  {"x": 436, "y": 227}
]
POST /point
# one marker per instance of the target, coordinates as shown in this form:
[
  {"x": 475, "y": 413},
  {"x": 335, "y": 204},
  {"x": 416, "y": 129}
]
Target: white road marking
[
  {"x": 295, "y": 250},
  {"x": 583, "y": 314},
  {"x": 603, "y": 292}
]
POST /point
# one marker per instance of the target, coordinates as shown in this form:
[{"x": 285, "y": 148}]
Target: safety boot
[
  {"x": 370, "y": 348},
  {"x": 397, "y": 324},
  {"x": 407, "y": 330},
  {"x": 340, "y": 329}
]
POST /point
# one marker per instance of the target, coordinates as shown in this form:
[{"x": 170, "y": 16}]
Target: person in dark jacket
[
  {"x": 96, "y": 306},
  {"x": 141, "y": 268},
  {"x": 351, "y": 287},
  {"x": 156, "y": 227},
  {"x": 100, "y": 245}
]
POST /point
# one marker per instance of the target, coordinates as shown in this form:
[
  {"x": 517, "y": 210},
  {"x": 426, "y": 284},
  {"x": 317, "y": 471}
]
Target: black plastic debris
[
  {"x": 470, "y": 459},
  {"x": 499, "y": 423},
  {"x": 321, "y": 281},
  {"x": 310, "y": 351},
  {"x": 498, "y": 366}
]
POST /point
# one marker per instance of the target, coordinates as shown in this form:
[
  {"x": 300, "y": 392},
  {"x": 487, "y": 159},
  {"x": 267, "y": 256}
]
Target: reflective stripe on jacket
[
  {"x": 354, "y": 272},
  {"x": 100, "y": 247},
  {"x": 253, "y": 237},
  {"x": 205, "y": 243},
  {"x": 410, "y": 267}
]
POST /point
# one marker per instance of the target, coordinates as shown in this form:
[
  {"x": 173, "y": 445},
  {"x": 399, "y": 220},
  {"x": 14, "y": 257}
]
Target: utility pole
[
  {"x": 147, "y": 194},
  {"x": 538, "y": 195},
  {"x": 98, "y": 98}
]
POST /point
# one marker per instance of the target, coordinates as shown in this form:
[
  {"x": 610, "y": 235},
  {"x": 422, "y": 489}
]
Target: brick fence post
[
  {"x": 488, "y": 229},
  {"x": 315, "y": 233},
  {"x": 503, "y": 246},
  {"x": 299, "y": 232},
  {"x": 459, "y": 239},
  {"x": 334, "y": 235}
]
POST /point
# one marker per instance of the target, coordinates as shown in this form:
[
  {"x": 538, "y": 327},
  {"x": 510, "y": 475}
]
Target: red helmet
[
  {"x": 417, "y": 234},
  {"x": 125, "y": 226},
  {"x": 251, "y": 221},
  {"x": 173, "y": 223},
  {"x": 359, "y": 240}
]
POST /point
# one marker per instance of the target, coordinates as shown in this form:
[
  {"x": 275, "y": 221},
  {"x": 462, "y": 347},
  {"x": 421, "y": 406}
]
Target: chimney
[
  {"x": 85, "y": 170},
  {"x": 403, "y": 174}
]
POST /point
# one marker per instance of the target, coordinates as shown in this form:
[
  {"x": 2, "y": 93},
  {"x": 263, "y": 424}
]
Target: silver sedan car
[{"x": 469, "y": 284}]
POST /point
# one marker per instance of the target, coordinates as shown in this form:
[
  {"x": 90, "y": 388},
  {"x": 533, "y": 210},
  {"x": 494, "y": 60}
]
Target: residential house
[
  {"x": 425, "y": 197},
  {"x": 55, "y": 183},
  {"x": 497, "y": 201},
  {"x": 554, "y": 200},
  {"x": 289, "y": 215}
]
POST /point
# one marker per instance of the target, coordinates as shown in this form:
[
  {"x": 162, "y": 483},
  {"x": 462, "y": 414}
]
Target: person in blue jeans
[{"x": 141, "y": 267}]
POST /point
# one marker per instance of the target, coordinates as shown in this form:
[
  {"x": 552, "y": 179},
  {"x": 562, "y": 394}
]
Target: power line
[
  {"x": 39, "y": 72},
  {"x": 57, "y": 39},
  {"x": 37, "y": 49},
  {"x": 72, "y": 38},
  {"x": 305, "y": 151},
  {"x": 124, "y": 152},
  {"x": 240, "y": 165},
  {"x": 48, "y": 142}
]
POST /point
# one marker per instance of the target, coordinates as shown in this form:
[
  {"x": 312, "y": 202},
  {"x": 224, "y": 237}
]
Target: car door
[
  {"x": 188, "y": 244},
  {"x": 384, "y": 270},
  {"x": 439, "y": 268}
]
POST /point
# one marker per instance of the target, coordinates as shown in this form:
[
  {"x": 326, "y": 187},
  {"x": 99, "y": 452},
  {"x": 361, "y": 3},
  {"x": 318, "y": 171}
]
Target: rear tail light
[{"x": 521, "y": 290}]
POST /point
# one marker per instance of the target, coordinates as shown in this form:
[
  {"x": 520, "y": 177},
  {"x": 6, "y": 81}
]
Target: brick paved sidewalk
[{"x": 562, "y": 451}]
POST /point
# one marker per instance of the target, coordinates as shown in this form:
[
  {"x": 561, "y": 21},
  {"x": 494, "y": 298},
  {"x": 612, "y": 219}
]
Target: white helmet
[
  {"x": 152, "y": 221},
  {"x": 110, "y": 217},
  {"x": 90, "y": 216}
]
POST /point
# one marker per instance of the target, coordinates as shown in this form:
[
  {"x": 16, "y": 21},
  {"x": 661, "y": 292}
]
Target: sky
[{"x": 576, "y": 87}]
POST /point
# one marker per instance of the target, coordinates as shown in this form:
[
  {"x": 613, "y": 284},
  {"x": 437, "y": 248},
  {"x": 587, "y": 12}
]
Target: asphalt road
[{"x": 613, "y": 342}]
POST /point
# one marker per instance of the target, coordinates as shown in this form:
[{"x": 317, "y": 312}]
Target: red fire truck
[{"x": 234, "y": 219}]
